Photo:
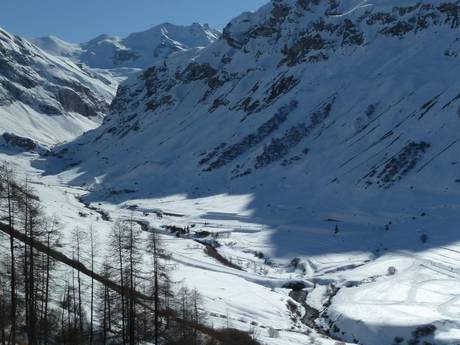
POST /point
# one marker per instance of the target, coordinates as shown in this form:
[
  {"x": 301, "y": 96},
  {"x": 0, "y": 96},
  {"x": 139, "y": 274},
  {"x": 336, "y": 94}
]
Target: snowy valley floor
[{"x": 389, "y": 298}]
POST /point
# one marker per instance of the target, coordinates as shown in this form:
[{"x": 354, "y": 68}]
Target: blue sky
[{"x": 81, "y": 20}]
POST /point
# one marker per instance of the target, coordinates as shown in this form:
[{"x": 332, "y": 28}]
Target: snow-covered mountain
[
  {"x": 47, "y": 99},
  {"x": 307, "y": 97},
  {"x": 52, "y": 91},
  {"x": 55, "y": 46},
  {"x": 338, "y": 121},
  {"x": 138, "y": 50}
]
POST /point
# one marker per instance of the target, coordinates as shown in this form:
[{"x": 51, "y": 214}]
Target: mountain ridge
[
  {"x": 137, "y": 50},
  {"x": 290, "y": 55}
]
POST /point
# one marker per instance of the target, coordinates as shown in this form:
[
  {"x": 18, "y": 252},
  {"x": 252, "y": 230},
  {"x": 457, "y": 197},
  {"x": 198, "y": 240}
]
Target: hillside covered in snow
[
  {"x": 52, "y": 91},
  {"x": 336, "y": 125},
  {"x": 351, "y": 102},
  {"x": 301, "y": 168},
  {"x": 47, "y": 99}
]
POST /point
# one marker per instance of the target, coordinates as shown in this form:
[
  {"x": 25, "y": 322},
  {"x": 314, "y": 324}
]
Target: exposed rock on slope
[
  {"x": 45, "y": 98},
  {"x": 320, "y": 95}
]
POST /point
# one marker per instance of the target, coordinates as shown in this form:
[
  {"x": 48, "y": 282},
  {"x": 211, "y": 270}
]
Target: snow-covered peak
[
  {"x": 55, "y": 46},
  {"x": 138, "y": 50},
  {"x": 195, "y": 35}
]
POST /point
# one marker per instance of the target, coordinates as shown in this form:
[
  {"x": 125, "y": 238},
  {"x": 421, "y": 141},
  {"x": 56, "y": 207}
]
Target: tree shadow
[{"x": 435, "y": 333}]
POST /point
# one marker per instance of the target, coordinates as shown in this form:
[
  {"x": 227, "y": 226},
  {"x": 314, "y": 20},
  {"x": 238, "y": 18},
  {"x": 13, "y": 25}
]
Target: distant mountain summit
[
  {"x": 52, "y": 91},
  {"x": 138, "y": 50}
]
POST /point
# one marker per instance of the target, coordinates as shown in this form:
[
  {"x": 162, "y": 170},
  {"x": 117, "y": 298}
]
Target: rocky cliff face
[
  {"x": 39, "y": 89},
  {"x": 344, "y": 100}
]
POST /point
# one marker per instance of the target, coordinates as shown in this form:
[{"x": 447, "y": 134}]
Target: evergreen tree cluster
[{"x": 124, "y": 297}]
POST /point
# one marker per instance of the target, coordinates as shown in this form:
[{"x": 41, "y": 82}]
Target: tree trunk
[
  {"x": 120, "y": 257},
  {"x": 92, "y": 290},
  {"x": 156, "y": 288},
  {"x": 2, "y": 313},
  {"x": 80, "y": 309},
  {"x": 104, "y": 319},
  {"x": 132, "y": 310},
  {"x": 47, "y": 285},
  {"x": 32, "y": 307},
  {"x": 74, "y": 301},
  {"x": 26, "y": 269},
  {"x": 13, "y": 263}
]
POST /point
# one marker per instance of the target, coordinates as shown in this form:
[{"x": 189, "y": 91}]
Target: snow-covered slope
[
  {"x": 47, "y": 99},
  {"x": 307, "y": 97},
  {"x": 338, "y": 123},
  {"x": 55, "y": 46},
  {"x": 138, "y": 50}
]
